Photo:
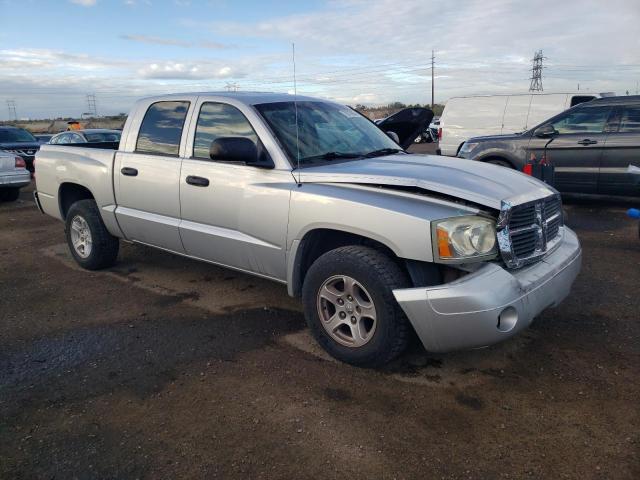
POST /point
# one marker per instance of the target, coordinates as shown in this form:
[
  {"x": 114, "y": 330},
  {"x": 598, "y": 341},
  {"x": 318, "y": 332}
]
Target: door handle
[
  {"x": 129, "y": 172},
  {"x": 197, "y": 181},
  {"x": 586, "y": 141}
]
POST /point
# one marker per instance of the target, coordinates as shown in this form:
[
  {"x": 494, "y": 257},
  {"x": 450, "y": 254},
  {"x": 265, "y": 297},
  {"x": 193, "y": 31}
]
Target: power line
[
  {"x": 91, "y": 104},
  {"x": 536, "y": 73},
  {"x": 11, "y": 105},
  {"x": 433, "y": 60}
]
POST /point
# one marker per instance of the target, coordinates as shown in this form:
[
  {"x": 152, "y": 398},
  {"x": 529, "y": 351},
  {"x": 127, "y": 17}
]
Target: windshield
[
  {"x": 102, "y": 137},
  {"x": 16, "y": 135},
  {"x": 325, "y": 131}
]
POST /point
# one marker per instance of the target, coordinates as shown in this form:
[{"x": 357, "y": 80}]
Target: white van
[{"x": 478, "y": 116}]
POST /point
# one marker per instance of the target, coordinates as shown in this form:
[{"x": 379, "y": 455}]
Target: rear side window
[
  {"x": 583, "y": 120},
  {"x": 630, "y": 120},
  {"x": 161, "y": 128},
  {"x": 219, "y": 120},
  {"x": 578, "y": 99}
]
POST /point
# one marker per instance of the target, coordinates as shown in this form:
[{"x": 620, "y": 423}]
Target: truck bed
[{"x": 88, "y": 166}]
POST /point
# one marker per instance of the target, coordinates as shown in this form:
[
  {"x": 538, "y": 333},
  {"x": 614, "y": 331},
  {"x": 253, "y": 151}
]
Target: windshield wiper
[
  {"x": 383, "y": 151},
  {"x": 331, "y": 156}
]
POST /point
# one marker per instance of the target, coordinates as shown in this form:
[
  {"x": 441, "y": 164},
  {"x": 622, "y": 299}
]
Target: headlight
[
  {"x": 468, "y": 146},
  {"x": 464, "y": 238}
]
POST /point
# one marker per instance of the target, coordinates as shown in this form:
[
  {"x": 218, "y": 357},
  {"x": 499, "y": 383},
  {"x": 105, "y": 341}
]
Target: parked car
[
  {"x": 312, "y": 194},
  {"x": 18, "y": 141},
  {"x": 475, "y": 116},
  {"x": 43, "y": 137},
  {"x": 590, "y": 145},
  {"x": 13, "y": 176},
  {"x": 89, "y": 135},
  {"x": 430, "y": 134}
]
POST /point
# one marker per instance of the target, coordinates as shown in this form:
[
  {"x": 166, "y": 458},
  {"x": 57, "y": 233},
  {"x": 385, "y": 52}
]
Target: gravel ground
[{"x": 166, "y": 368}]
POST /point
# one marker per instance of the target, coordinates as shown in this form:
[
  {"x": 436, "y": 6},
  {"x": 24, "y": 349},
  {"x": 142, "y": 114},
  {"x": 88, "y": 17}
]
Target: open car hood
[
  {"x": 476, "y": 182},
  {"x": 407, "y": 124}
]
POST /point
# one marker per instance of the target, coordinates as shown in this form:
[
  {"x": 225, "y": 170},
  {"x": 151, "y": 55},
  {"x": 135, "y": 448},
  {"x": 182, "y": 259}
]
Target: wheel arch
[
  {"x": 319, "y": 241},
  {"x": 493, "y": 157},
  {"x": 69, "y": 193}
]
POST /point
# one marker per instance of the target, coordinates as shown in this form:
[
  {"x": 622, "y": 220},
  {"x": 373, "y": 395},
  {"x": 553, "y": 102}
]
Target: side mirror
[
  {"x": 394, "y": 136},
  {"x": 234, "y": 149},
  {"x": 545, "y": 131}
]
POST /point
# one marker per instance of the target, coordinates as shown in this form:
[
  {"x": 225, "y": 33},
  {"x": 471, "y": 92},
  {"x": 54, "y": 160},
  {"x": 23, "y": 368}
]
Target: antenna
[{"x": 295, "y": 103}]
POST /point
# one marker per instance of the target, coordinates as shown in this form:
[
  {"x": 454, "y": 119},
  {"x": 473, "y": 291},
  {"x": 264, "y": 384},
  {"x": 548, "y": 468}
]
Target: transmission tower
[
  {"x": 232, "y": 87},
  {"x": 11, "y": 105},
  {"x": 91, "y": 104},
  {"x": 536, "y": 73}
]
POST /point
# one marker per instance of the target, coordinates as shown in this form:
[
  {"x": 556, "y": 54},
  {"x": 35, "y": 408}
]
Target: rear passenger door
[
  {"x": 622, "y": 148},
  {"x": 147, "y": 179}
]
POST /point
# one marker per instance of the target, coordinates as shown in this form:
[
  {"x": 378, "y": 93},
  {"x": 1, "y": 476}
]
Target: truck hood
[{"x": 483, "y": 184}]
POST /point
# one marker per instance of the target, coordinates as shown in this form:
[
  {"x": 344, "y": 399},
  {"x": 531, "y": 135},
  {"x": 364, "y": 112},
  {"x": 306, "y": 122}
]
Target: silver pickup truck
[{"x": 377, "y": 242}]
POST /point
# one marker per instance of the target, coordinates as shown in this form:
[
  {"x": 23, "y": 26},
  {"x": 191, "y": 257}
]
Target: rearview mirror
[
  {"x": 545, "y": 131},
  {"x": 394, "y": 136},
  {"x": 234, "y": 149}
]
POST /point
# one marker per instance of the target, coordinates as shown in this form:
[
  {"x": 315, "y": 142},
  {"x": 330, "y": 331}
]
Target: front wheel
[
  {"x": 350, "y": 308},
  {"x": 91, "y": 244}
]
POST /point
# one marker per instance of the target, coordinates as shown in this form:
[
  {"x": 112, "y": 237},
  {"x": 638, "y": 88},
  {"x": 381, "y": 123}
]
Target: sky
[{"x": 55, "y": 53}]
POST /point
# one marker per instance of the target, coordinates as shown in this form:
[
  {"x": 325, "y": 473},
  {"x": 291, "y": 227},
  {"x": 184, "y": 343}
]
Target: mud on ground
[{"x": 166, "y": 368}]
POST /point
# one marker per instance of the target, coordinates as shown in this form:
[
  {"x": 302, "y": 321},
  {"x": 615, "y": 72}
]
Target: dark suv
[
  {"x": 591, "y": 146},
  {"x": 19, "y": 142}
]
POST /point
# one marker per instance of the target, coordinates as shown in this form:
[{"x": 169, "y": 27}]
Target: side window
[
  {"x": 75, "y": 138},
  {"x": 583, "y": 120},
  {"x": 578, "y": 99},
  {"x": 630, "y": 120},
  {"x": 161, "y": 128},
  {"x": 64, "y": 138},
  {"x": 219, "y": 120}
]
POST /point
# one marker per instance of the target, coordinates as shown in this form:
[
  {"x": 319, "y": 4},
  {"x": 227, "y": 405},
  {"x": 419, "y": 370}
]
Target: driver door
[{"x": 232, "y": 214}]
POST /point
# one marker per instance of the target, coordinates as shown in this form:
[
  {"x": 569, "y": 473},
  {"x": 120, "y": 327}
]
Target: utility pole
[
  {"x": 91, "y": 104},
  {"x": 11, "y": 105},
  {"x": 433, "y": 62},
  {"x": 536, "y": 72}
]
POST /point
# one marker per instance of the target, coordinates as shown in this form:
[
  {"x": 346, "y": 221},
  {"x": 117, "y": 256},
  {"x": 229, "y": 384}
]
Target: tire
[
  {"x": 10, "y": 194},
  {"x": 377, "y": 276},
  {"x": 83, "y": 221},
  {"x": 500, "y": 163}
]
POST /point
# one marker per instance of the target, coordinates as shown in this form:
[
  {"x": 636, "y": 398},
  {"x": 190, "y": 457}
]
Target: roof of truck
[
  {"x": 621, "y": 100},
  {"x": 251, "y": 98}
]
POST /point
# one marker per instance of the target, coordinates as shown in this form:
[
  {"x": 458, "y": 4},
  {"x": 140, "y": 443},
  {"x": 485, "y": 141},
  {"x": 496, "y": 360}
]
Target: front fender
[{"x": 400, "y": 221}]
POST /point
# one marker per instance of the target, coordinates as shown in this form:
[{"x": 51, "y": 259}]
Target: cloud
[
  {"x": 188, "y": 71},
  {"x": 84, "y": 3},
  {"x": 176, "y": 42},
  {"x": 156, "y": 40},
  {"x": 348, "y": 50}
]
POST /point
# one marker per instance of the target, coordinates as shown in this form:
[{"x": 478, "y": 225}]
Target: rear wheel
[
  {"x": 91, "y": 244},
  {"x": 9, "y": 194},
  {"x": 350, "y": 308}
]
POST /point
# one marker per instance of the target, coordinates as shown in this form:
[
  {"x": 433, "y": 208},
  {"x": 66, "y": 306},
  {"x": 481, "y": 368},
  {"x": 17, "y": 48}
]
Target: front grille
[{"x": 527, "y": 232}]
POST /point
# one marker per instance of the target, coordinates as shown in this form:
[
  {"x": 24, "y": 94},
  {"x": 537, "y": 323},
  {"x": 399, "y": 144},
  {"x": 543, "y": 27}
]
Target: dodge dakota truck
[{"x": 377, "y": 242}]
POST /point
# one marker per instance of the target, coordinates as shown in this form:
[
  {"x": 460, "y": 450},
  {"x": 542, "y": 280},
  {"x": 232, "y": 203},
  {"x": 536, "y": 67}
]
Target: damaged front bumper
[{"x": 491, "y": 304}]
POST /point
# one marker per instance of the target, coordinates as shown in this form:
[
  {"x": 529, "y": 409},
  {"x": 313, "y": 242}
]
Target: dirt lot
[{"x": 167, "y": 368}]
